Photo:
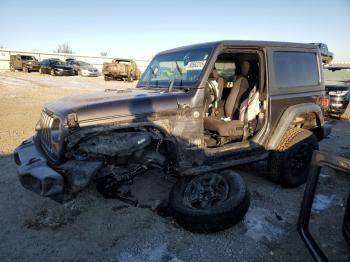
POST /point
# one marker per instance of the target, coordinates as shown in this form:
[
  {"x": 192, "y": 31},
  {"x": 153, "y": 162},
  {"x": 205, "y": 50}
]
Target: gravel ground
[{"x": 90, "y": 228}]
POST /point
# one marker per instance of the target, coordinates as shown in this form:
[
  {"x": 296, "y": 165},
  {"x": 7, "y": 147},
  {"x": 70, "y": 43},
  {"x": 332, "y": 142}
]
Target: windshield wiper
[
  {"x": 171, "y": 85},
  {"x": 154, "y": 74}
]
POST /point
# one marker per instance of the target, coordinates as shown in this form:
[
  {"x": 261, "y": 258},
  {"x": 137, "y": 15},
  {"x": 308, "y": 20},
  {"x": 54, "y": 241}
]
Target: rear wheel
[
  {"x": 52, "y": 72},
  {"x": 289, "y": 163},
  {"x": 210, "y": 202}
]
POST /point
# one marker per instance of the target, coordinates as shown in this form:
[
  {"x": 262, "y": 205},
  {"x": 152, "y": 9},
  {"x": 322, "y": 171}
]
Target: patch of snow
[
  {"x": 322, "y": 202},
  {"x": 259, "y": 225},
  {"x": 153, "y": 254}
]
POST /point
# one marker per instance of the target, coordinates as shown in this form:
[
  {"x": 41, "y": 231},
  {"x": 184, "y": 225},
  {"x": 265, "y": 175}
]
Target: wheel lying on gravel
[
  {"x": 209, "y": 202},
  {"x": 289, "y": 164},
  {"x": 346, "y": 114}
]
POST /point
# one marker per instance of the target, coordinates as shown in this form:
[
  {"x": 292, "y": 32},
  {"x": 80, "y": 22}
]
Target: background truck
[
  {"x": 25, "y": 63},
  {"x": 121, "y": 69}
]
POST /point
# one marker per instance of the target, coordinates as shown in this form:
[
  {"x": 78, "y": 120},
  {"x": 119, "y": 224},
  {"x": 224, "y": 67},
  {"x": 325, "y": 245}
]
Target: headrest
[
  {"x": 245, "y": 66},
  {"x": 214, "y": 74}
]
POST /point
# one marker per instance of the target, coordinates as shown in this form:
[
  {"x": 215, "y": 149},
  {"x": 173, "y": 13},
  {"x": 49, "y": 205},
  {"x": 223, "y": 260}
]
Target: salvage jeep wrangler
[{"x": 197, "y": 110}]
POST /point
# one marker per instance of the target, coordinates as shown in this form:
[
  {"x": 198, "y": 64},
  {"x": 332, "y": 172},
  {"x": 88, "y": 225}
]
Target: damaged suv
[{"x": 195, "y": 111}]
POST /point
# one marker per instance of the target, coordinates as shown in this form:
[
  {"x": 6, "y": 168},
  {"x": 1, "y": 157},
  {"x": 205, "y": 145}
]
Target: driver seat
[{"x": 225, "y": 127}]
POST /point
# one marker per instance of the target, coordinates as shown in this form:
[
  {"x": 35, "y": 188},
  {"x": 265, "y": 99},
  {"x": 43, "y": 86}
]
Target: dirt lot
[{"x": 91, "y": 228}]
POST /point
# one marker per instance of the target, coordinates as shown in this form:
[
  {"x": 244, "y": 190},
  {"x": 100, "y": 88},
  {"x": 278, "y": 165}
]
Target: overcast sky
[{"x": 139, "y": 29}]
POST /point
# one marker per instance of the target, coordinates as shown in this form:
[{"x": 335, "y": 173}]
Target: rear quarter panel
[{"x": 281, "y": 98}]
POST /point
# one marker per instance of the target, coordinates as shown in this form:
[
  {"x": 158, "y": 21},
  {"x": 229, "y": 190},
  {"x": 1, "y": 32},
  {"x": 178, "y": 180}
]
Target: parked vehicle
[
  {"x": 25, "y": 63},
  {"x": 326, "y": 55},
  {"x": 338, "y": 90},
  {"x": 55, "y": 67},
  {"x": 196, "y": 110},
  {"x": 82, "y": 68},
  {"x": 121, "y": 69}
]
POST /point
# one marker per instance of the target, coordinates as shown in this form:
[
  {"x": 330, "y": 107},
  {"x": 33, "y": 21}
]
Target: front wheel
[
  {"x": 130, "y": 78},
  {"x": 210, "y": 202},
  {"x": 289, "y": 163},
  {"x": 52, "y": 72}
]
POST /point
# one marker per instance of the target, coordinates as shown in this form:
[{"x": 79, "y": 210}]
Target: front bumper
[
  {"x": 88, "y": 73},
  {"x": 64, "y": 72},
  {"x": 34, "y": 172},
  {"x": 337, "y": 104},
  {"x": 33, "y": 67}
]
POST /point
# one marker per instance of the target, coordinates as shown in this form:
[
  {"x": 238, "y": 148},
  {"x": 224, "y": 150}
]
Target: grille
[{"x": 45, "y": 132}]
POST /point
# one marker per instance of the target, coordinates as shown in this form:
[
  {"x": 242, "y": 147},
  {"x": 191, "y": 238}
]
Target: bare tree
[
  {"x": 103, "y": 53},
  {"x": 64, "y": 48}
]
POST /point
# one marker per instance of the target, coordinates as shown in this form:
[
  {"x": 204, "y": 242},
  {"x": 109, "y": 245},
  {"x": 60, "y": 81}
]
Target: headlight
[{"x": 72, "y": 120}]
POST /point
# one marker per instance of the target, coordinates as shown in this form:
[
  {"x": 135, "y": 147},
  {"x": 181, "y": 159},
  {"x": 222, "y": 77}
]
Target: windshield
[
  {"x": 57, "y": 62},
  {"x": 342, "y": 75},
  {"x": 81, "y": 63},
  {"x": 178, "y": 69},
  {"x": 27, "y": 58}
]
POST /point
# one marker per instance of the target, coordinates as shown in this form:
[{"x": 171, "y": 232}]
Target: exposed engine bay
[{"x": 109, "y": 156}]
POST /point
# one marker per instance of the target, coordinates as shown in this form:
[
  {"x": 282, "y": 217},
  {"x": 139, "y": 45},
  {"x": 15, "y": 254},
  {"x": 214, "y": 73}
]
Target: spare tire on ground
[{"x": 210, "y": 202}]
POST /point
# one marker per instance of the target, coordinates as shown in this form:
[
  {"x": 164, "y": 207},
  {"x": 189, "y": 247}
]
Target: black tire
[
  {"x": 52, "y": 72},
  {"x": 106, "y": 78},
  {"x": 25, "y": 69},
  {"x": 12, "y": 68},
  {"x": 346, "y": 222},
  {"x": 130, "y": 78},
  {"x": 289, "y": 163},
  {"x": 224, "y": 214},
  {"x": 346, "y": 114}
]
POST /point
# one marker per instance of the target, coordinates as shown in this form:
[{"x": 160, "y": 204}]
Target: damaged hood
[{"x": 115, "y": 103}]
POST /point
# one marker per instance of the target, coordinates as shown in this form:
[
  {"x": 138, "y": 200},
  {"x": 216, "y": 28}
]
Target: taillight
[{"x": 325, "y": 101}]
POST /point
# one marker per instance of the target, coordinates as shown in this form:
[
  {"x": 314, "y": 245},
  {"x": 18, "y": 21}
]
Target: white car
[{"x": 82, "y": 68}]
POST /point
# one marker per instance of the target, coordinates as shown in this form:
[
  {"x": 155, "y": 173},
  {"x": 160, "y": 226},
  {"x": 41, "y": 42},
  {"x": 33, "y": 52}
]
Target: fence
[{"x": 96, "y": 61}]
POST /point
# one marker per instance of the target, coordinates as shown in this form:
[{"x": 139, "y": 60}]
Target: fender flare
[{"x": 287, "y": 118}]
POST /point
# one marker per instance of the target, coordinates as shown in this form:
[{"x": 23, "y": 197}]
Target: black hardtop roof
[{"x": 242, "y": 43}]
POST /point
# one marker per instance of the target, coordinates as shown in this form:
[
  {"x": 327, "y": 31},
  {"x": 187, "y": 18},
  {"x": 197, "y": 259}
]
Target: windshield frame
[{"x": 178, "y": 83}]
